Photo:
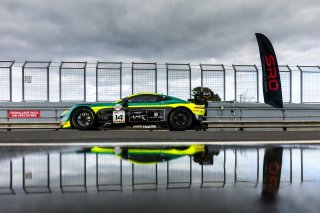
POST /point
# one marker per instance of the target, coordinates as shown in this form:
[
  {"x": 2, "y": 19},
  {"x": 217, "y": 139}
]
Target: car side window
[
  {"x": 143, "y": 99},
  {"x": 164, "y": 98}
]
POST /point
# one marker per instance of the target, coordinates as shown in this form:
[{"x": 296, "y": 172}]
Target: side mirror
[{"x": 125, "y": 102}]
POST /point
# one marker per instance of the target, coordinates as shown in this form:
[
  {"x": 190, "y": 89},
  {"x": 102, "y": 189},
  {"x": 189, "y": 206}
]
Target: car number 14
[{"x": 119, "y": 116}]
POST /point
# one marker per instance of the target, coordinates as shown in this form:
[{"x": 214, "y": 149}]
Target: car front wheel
[{"x": 83, "y": 119}]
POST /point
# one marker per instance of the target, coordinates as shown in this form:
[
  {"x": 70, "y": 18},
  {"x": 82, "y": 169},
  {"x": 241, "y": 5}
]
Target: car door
[{"x": 144, "y": 109}]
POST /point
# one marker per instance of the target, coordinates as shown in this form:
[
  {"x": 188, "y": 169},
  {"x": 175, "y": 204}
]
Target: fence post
[
  {"x": 85, "y": 80},
  {"x": 235, "y": 82},
  {"x": 23, "y": 79},
  {"x": 290, "y": 80},
  {"x": 10, "y": 79},
  {"x": 167, "y": 75},
  {"x": 60, "y": 67},
  {"x": 301, "y": 85},
  {"x": 257, "y": 82}
]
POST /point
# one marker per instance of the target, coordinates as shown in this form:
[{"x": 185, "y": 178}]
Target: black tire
[
  {"x": 83, "y": 119},
  {"x": 180, "y": 119}
]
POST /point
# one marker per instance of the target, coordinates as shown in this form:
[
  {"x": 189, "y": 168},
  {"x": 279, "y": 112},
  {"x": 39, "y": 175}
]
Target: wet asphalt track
[{"x": 74, "y": 136}]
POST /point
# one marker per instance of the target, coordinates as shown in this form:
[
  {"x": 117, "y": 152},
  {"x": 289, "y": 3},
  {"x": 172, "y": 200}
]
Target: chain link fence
[
  {"x": 6, "y": 177},
  {"x": 144, "y": 77},
  {"x": 144, "y": 177},
  {"x": 310, "y": 87},
  {"x": 214, "y": 176},
  {"x": 73, "y": 172},
  {"x": 286, "y": 170},
  {"x": 72, "y": 81},
  {"x": 246, "y": 83},
  {"x": 310, "y": 167},
  {"x": 35, "y": 84},
  {"x": 36, "y": 174},
  {"x": 179, "y": 173},
  {"x": 109, "y": 173},
  {"x": 179, "y": 80},
  {"x": 213, "y": 76},
  {"x": 109, "y": 81},
  {"x": 286, "y": 83},
  {"x": 6, "y": 80},
  {"x": 247, "y": 166}
]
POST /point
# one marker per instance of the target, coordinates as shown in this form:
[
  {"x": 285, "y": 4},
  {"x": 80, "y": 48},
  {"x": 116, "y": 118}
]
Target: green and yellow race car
[{"x": 142, "y": 110}]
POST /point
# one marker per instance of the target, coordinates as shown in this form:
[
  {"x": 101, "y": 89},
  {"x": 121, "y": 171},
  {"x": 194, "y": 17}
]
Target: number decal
[{"x": 119, "y": 117}]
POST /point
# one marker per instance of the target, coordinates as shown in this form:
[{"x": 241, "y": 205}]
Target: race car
[{"x": 142, "y": 110}]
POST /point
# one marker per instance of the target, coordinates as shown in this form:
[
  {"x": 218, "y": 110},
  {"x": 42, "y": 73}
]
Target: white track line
[{"x": 225, "y": 143}]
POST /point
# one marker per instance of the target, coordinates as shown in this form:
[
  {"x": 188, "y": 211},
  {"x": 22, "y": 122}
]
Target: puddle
[{"x": 261, "y": 173}]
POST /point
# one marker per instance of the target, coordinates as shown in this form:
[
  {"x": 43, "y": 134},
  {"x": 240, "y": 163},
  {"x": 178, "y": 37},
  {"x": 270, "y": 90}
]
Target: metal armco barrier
[
  {"x": 220, "y": 115},
  {"x": 211, "y": 124},
  {"x": 262, "y": 124},
  {"x": 29, "y": 125}
]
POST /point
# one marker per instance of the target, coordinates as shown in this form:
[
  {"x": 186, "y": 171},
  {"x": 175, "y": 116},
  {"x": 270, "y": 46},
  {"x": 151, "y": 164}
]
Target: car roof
[
  {"x": 151, "y": 93},
  {"x": 142, "y": 93}
]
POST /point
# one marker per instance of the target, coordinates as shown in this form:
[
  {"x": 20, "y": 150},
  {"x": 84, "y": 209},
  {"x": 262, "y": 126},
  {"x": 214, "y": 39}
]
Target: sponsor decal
[
  {"x": 138, "y": 116},
  {"x": 270, "y": 72},
  {"x": 103, "y": 117},
  {"x": 155, "y": 115},
  {"x": 23, "y": 114},
  {"x": 118, "y": 116},
  {"x": 145, "y": 126}
]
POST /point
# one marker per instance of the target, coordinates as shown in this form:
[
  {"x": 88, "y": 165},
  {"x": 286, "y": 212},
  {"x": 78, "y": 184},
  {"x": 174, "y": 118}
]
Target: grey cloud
[{"x": 166, "y": 30}]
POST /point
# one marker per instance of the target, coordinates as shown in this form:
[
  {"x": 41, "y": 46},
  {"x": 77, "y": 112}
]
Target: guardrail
[
  {"x": 239, "y": 124},
  {"x": 221, "y": 115},
  {"x": 29, "y": 125}
]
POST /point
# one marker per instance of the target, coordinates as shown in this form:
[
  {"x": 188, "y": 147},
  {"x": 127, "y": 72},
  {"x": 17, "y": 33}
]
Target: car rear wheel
[
  {"x": 180, "y": 119},
  {"x": 83, "y": 119}
]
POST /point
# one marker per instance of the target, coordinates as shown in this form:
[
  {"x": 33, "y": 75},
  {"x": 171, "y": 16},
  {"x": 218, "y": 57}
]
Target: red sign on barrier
[{"x": 23, "y": 114}]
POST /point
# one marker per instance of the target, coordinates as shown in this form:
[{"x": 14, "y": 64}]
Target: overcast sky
[{"x": 215, "y": 31}]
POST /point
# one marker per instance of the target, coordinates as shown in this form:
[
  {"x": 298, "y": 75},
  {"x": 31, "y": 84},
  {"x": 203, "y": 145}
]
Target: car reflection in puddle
[
  {"x": 138, "y": 168},
  {"x": 202, "y": 154}
]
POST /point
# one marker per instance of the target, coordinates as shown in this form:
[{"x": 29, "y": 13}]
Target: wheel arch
[{"x": 181, "y": 107}]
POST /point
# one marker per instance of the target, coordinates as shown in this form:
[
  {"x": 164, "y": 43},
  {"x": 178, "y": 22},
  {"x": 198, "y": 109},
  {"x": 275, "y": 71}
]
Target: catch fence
[{"x": 44, "y": 81}]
